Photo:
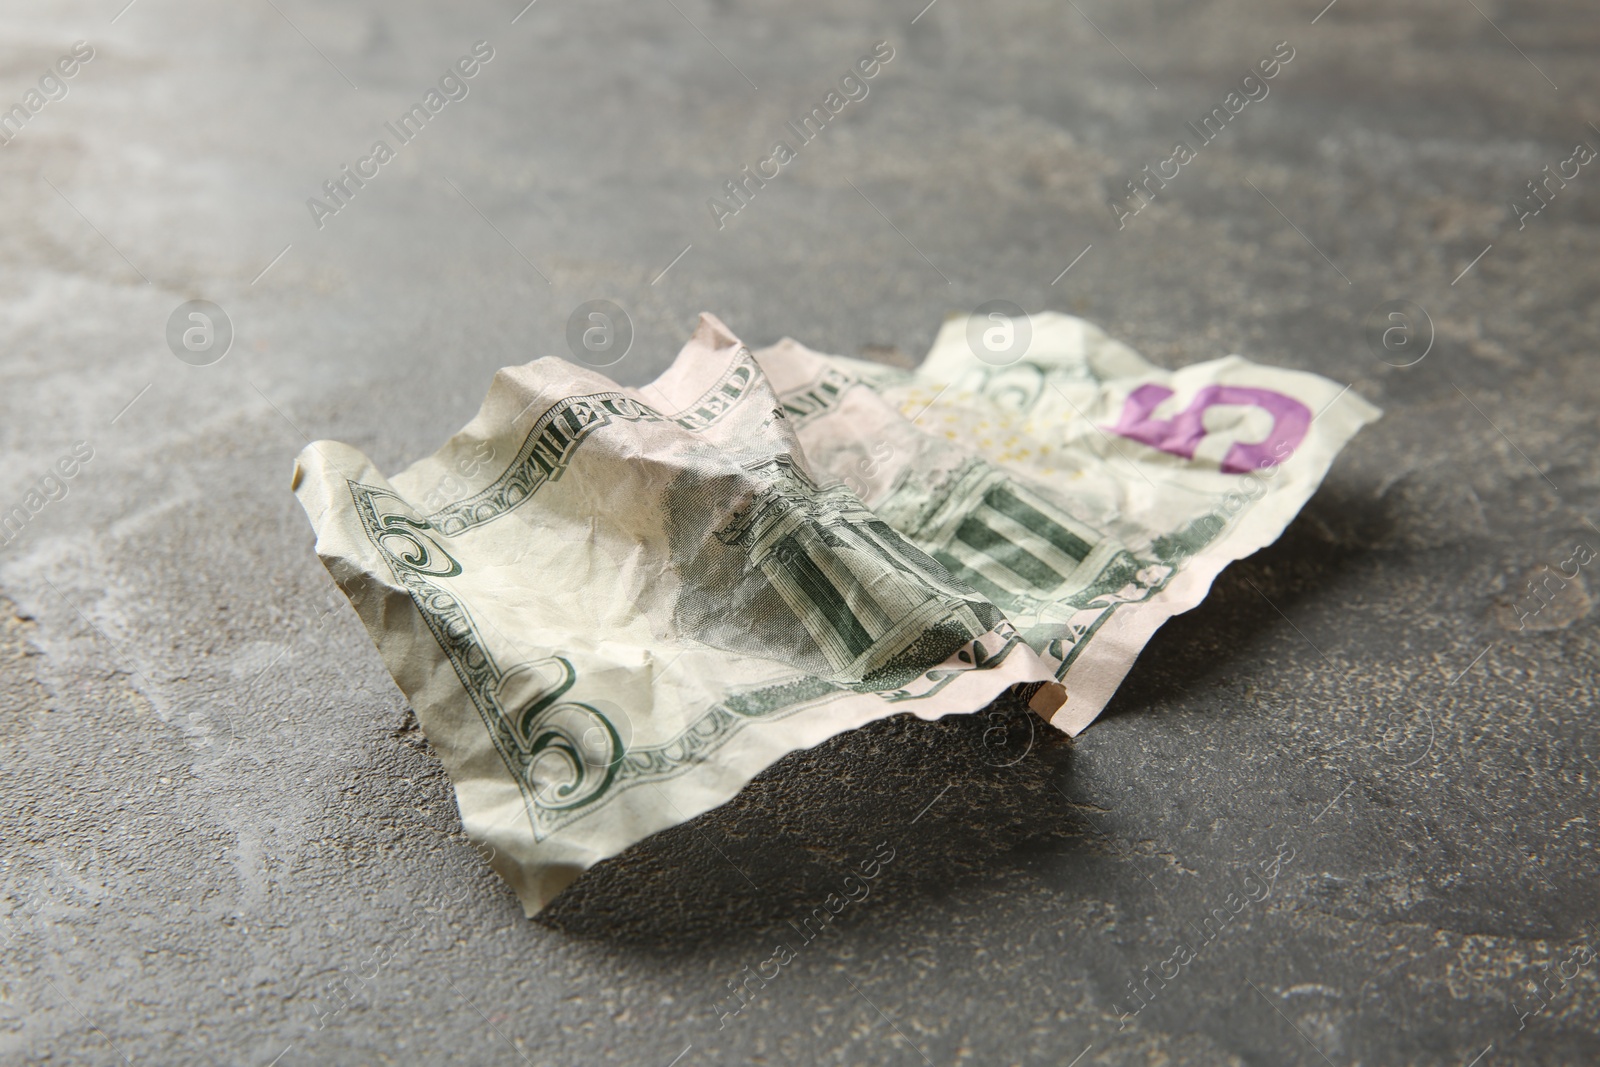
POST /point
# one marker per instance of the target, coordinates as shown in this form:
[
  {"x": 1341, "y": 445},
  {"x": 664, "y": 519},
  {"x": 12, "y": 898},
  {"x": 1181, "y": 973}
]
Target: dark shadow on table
[
  {"x": 965, "y": 798},
  {"x": 1203, "y": 646}
]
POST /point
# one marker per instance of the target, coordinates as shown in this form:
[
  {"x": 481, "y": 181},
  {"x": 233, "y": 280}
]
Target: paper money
[
  {"x": 1087, "y": 493},
  {"x": 611, "y": 608}
]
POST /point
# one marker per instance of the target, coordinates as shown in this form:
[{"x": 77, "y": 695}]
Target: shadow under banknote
[
  {"x": 900, "y": 809},
  {"x": 1210, "y": 642}
]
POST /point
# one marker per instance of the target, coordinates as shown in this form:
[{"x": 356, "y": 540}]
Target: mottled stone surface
[{"x": 216, "y": 804}]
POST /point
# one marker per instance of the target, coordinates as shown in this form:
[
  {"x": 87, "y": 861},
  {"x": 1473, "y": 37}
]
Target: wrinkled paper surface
[{"x": 611, "y": 608}]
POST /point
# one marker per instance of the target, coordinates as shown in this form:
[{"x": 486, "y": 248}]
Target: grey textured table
[{"x": 217, "y": 806}]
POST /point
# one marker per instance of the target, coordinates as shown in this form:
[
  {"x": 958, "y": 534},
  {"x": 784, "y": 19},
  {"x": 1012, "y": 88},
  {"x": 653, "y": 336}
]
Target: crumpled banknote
[{"x": 611, "y": 608}]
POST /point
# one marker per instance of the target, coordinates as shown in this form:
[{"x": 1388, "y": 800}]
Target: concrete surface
[{"x": 217, "y": 806}]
